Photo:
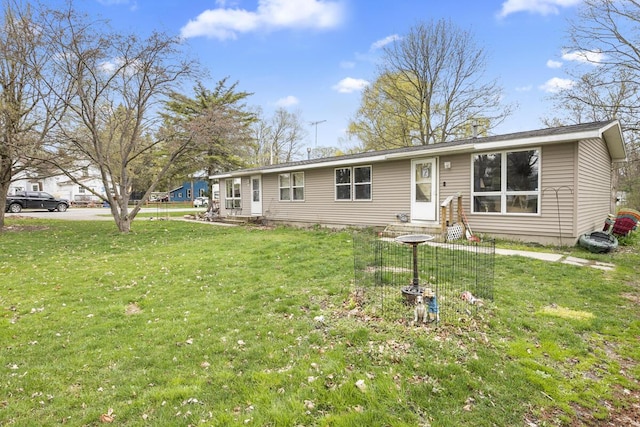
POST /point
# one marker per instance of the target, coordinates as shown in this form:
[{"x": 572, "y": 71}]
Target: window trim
[
  {"x": 364, "y": 183},
  {"x": 287, "y": 187},
  {"x": 291, "y": 187},
  {"x": 294, "y": 187},
  {"x": 337, "y": 185},
  {"x": 234, "y": 200},
  {"x": 352, "y": 184},
  {"x": 504, "y": 193}
]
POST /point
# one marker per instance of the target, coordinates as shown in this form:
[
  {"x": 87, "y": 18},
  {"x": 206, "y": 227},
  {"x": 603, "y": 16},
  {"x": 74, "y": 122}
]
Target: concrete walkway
[
  {"x": 545, "y": 256},
  {"x": 542, "y": 256}
]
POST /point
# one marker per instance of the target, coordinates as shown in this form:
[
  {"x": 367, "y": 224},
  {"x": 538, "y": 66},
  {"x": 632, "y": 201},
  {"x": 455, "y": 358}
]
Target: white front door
[
  {"x": 424, "y": 186},
  {"x": 256, "y": 195}
]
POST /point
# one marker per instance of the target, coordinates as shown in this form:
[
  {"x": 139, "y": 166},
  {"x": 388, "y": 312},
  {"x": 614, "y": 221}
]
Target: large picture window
[
  {"x": 506, "y": 182},
  {"x": 353, "y": 183},
  {"x": 233, "y": 199},
  {"x": 291, "y": 186}
]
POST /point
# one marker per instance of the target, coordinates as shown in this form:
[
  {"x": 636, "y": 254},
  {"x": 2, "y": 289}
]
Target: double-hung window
[
  {"x": 507, "y": 182},
  {"x": 232, "y": 191},
  {"x": 353, "y": 183},
  {"x": 343, "y": 184},
  {"x": 291, "y": 186},
  {"x": 284, "y": 183}
]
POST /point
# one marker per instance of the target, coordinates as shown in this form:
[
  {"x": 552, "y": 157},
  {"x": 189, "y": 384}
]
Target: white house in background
[{"x": 61, "y": 186}]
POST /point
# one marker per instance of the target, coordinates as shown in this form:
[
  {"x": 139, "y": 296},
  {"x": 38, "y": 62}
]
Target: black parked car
[{"x": 35, "y": 200}]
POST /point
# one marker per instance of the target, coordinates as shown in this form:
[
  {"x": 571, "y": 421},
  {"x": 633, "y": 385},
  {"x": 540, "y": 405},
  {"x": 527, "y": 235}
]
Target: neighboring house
[
  {"x": 61, "y": 186},
  {"x": 189, "y": 190},
  {"x": 547, "y": 186}
]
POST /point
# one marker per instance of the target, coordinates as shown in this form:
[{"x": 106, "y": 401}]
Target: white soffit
[{"x": 612, "y": 135}]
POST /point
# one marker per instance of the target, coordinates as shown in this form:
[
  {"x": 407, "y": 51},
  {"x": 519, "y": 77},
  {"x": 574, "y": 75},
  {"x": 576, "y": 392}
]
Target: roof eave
[
  {"x": 544, "y": 140},
  {"x": 612, "y": 135},
  {"x": 298, "y": 167}
]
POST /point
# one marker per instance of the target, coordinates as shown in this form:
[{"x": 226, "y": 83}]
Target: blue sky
[{"x": 315, "y": 56}]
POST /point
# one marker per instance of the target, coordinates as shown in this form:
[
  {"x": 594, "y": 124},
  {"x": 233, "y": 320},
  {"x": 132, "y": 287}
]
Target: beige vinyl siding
[
  {"x": 390, "y": 187},
  {"x": 456, "y": 179},
  {"x": 594, "y": 190},
  {"x": 245, "y": 195},
  {"x": 578, "y": 172},
  {"x": 558, "y": 192},
  {"x": 557, "y": 166}
]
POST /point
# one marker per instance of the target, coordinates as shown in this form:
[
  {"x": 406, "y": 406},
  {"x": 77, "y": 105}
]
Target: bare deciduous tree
[
  {"x": 279, "y": 138},
  {"x": 604, "y": 38},
  {"x": 261, "y": 132},
  {"x": 431, "y": 83},
  {"x": 113, "y": 85},
  {"x": 322, "y": 152},
  {"x": 287, "y": 135},
  {"x": 26, "y": 111}
]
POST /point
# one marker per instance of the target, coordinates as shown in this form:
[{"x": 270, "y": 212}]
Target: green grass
[{"x": 182, "y": 323}]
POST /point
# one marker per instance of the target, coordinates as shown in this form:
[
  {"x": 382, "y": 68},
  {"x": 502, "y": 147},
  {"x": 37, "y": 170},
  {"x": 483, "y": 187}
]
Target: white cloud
[
  {"x": 133, "y": 4},
  {"x": 523, "y": 88},
  {"x": 584, "y": 56},
  {"x": 379, "y": 44},
  {"x": 287, "y": 101},
  {"x": 556, "y": 85},
  {"x": 349, "y": 85},
  {"x": 347, "y": 64},
  {"x": 542, "y": 7},
  {"x": 225, "y": 23},
  {"x": 108, "y": 66},
  {"x": 554, "y": 64},
  {"x": 119, "y": 65}
]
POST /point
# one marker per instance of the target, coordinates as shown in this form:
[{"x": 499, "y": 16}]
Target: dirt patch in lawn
[
  {"x": 628, "y": 411},
  {"x": 632, "y": 297},
  {"x": 625, "y": 411},
  {"x": 23, "y": 228},
  {"x": 132, "y": 309}
]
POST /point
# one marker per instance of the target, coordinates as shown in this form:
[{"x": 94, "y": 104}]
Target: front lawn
[{"x": 185, "y": 323}]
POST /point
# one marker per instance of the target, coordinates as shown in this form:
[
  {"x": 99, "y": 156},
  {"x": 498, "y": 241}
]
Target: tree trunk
[
  {"x": 120, "y": 212},
  {"x": 5, "y": 182},
  {"x": 124, "y": 224}
]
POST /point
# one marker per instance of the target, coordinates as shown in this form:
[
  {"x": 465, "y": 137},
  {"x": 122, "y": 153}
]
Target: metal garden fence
[{"x": 460, "y": 273}]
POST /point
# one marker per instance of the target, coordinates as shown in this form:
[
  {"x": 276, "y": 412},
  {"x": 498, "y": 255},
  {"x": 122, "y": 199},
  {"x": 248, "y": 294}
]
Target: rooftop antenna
[{"x": 316, "y": 123}]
